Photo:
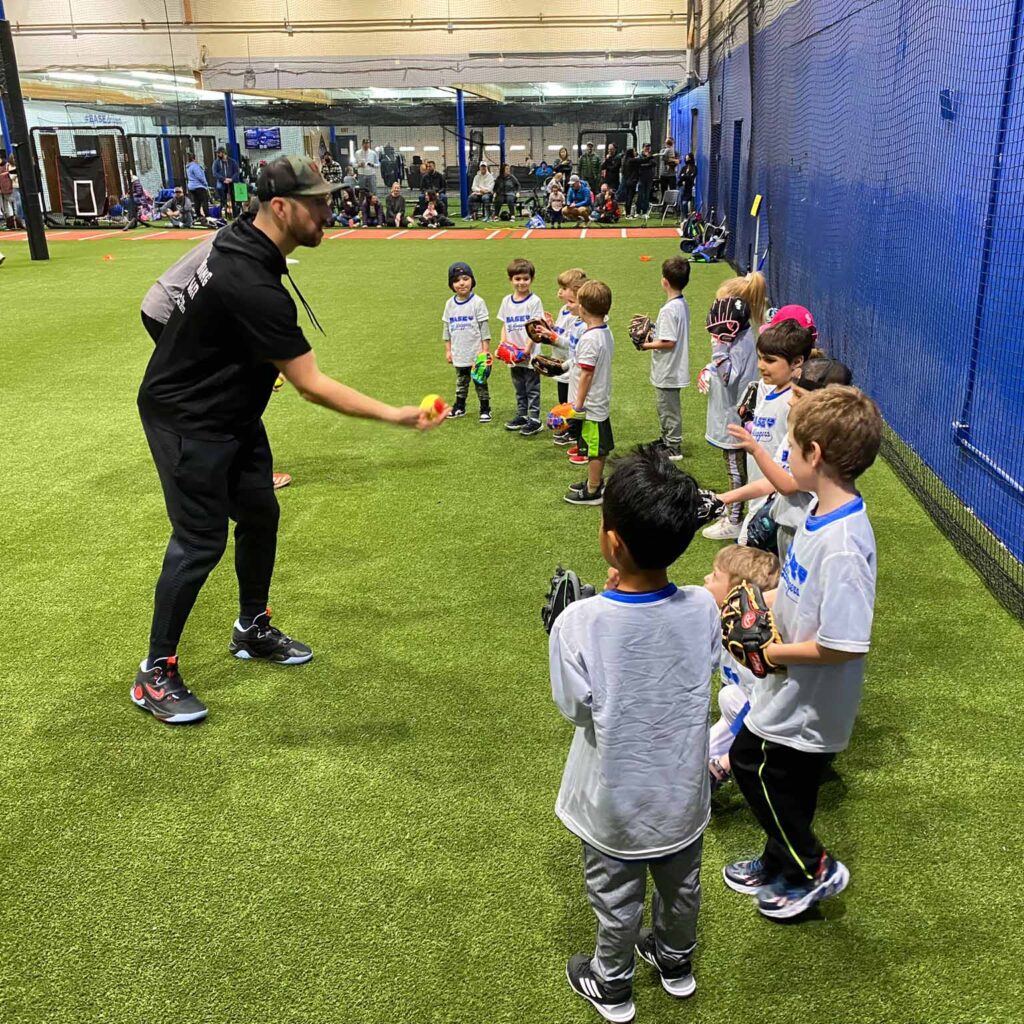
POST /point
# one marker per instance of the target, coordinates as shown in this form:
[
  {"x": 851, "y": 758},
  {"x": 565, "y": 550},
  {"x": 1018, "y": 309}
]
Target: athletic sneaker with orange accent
[
  {"x": 266, "y": 642},
  {"x": 162, "y": 692}
]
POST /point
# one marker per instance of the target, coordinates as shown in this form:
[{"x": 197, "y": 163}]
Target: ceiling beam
[{"x": 487, "y": 92}]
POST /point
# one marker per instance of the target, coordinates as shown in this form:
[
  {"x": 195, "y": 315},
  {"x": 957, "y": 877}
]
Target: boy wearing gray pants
[{"x": 631, "y": 669}]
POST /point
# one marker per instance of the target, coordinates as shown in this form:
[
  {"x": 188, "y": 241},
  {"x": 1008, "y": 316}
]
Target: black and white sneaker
[
  {"x": 264, "y": 641},
  {"x": 676, "y": 981},
  {"x": 531, "y": 427},
  {"x": 562, "y": 440},
  {"x": 162, "y": 692},
  {"x": 585, "y": 497},
  {"x": 485, "y": 414},
  {"x": 457, "y": 411},
  {"x": 613, "y": 1001},
  {"x": 581, "y": 486},
  {"x": 517, "y": 424}
]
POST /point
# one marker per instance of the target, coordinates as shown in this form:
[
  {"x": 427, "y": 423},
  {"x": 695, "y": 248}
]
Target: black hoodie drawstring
[{"x": 305, "y": 304}]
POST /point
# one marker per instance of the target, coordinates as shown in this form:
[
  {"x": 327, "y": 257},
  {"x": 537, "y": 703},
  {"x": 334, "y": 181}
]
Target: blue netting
[{"x": 888, "y": 140}]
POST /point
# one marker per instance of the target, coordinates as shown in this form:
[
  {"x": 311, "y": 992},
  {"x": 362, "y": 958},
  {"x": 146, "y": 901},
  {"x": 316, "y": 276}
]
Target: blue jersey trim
[
  {"x": 468, "y": 298},
  {"x": 775, "y": 394},
  {"x": 850, "y": 508},
  {"x": 519, "y": 302},
  {"x": 648, "y": 598}
]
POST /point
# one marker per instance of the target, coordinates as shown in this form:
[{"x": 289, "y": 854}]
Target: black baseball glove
[
  {"x": 745, "y": 410},
  {"x": 565, "y": 588},
  {"x": 547, "y": 367},
  {"x": 709, "y": 506}
]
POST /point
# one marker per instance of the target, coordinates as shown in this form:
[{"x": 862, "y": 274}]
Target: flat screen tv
[{"x": 262, "y": 138}]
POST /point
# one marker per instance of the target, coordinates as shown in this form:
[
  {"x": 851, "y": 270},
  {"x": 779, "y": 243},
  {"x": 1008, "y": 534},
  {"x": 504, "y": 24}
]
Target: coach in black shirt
[{"x": 234, "y": 326}]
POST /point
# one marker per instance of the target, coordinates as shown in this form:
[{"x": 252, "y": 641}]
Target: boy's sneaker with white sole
[
  {"x": 722, "y": 530},
  {"x": 783, "y": 899},
  {"x": 613, "y": 1001},
  {"x": 676, "y": 981},
  {"x": 262, "y": 641}
]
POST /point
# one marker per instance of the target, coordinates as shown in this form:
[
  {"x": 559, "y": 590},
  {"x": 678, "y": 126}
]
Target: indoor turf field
[{"x": 371, "y": 838}]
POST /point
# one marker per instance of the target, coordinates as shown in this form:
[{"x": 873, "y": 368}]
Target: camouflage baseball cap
[{"x": 292, "y": 176}]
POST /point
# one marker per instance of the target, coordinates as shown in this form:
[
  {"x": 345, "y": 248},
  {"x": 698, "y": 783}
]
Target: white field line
[
  {"x": 493, "y": 234},
  {"x": 89, "y": 238},
  {"x": 143, "y": 238},
  {"x": 528, "y": 232},
  {"x": 341, "y": 234},
  {"x": 397, "y": 234},
  {"x": 583, "y": 233},
  {"x": 623, "y": 235},
  {"x": 436, "y": 234}
]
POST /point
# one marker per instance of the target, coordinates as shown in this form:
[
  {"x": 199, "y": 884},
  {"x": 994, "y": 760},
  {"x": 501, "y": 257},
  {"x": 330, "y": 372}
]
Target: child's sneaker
[
  {"x": 531, "y": 427},
  {"x": 562, "y": 439},
  {"x": 784, "y": 899},
  {"x": 457, "y": 411},
  {"x": 747, "y": 876},
  {"x": 162, "y": 692},
  {"x": 722, "y": 530},
  {"x": 577, "y": 459},
  {"x": 485, "y": 414},
  {"x": 613, "y": 1001},
  {"x": 574, "y": 450},
  {"x": 676, "y": 981},
  {"x": 517, "y": 424},
  {"x": 586, "y": 496},
  {"x": 581, "y": 486}
]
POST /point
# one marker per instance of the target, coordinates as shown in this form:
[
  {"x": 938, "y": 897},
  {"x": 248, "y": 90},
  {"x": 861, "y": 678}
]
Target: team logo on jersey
[
  {"x": 731, "y": 674},
  {"x": 794, "y": 575}
]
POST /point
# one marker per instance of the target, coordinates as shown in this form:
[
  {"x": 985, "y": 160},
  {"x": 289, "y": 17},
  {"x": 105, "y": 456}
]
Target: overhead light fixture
[
  {"x": 431, "y": 149},
  {"x": 406, "y": 149},
  {"x": 122, "y": 83},
  {"x": 157, "y": 76},
  {"x": 554, "y": 149},
  {"x": 72, "y": 76},
  {"x": 492, "y": 146},
  {"x": 517, "y": 149}
]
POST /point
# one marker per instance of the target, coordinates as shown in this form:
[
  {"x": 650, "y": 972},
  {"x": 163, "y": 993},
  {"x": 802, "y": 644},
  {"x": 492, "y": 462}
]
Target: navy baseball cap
[{"x": 458, "y": 270}]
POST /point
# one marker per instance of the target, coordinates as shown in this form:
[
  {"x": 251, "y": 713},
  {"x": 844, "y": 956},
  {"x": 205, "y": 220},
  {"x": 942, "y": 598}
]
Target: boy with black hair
[
  {"x": 802, "y": 714},
  {"x": 515, "y": 312},
  {"x": 635, "y": 788},
  {"x": 592, "y": 376},
  {"x": 670, "y": 354}
]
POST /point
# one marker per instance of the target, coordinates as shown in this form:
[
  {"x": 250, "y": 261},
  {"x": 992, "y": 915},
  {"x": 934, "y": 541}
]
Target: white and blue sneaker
[
  {"x": 747, "y": 876},
  {"x": 783, "y": 899}
]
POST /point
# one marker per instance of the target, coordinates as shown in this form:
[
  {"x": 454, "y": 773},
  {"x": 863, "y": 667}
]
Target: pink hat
[{"x": 800, "y": 314}]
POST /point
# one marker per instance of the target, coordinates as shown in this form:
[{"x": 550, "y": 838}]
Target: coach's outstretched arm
[{"x": 315, "y": 386}]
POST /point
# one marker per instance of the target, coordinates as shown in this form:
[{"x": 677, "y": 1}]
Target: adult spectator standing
[
  {"x": 611, "y": 168},
  {"x": 7, "y": 207},
  {"x": 590, "y": 167},
  {"x": 225, "y": 174},
  {"x": 506, "y": 188},
  {"x": 432, "y": 179},
  {"x": 332, "y": 172},
  {"x": 481, "y": 193},
  {"x": 647, "y": 169},
  {"x": 579, "y": 200},
  {"x": 367, "y": 165},
  {"x": 201, "y": 402},
  {"x": 687, "y": 185},
  {"x": 668, "y": 167},
  {"x": 197, "y": 185},
  {"x": 563, "y": 165},
  {"x": 627, "y": 188}
]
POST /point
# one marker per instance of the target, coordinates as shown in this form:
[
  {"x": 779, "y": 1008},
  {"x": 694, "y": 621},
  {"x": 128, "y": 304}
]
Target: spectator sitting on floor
[
  {"x": 372, "y": 212},
  {"x": 543, "y": 171},
  {"x": 178, "y": 210},
  {"x": 506, "y": 188},
  {"x": 432, "y": 179},
  {"x": 348, "y": 208},
  {"x": 481, "y": 193},
  {"x": 606, "y": 209},
  {"x": 396, "y": 207},
  {"x": 432, "y": 212},
  {"x": 579, "y": 200}
]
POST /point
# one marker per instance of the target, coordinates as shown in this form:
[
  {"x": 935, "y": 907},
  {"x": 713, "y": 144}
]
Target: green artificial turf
[{"x": 371, "y": 838}]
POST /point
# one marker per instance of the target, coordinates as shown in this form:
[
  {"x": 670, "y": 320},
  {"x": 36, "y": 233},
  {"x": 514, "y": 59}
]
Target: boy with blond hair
[
  {"x": 803, "y": 713},
  {"x": 592, "y": 376},
  {"x": 567, "y": 327}
]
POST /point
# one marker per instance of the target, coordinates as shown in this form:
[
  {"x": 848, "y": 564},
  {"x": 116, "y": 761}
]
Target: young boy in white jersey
[
  {"x": 567, "y": 327},
  {"x": 803, "y": 713},
  {"x": 514, "y": 313},
  {"x": 732, "y": 368},
  {"x": 789, "y": 507},
  {"x": 635, "y": 788},
  {"x": 467, "y": 332},
  {"x": 781, "y": 352},
  {"x": 670, "y": 354},
  {"x": 592, "y": 376},
  {"x": 733, "y": 565}
]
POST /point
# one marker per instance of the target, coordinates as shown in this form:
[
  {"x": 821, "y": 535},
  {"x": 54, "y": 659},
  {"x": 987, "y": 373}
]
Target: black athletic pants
[
  {"x": 206, "y": 483},
  {"x": 781, "y": 786}
]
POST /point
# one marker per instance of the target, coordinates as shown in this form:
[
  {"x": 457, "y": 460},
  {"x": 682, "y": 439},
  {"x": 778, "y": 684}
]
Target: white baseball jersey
[
  {"x": 736, "y": 370},
  {"x": 789, "y": 510},
  {"x": 769, "y": 428},
  {"x": 594, "y": 351},
  {"x": 466, "y": 326},
  {"x": 560, "y": 348},
  {"x": 514, "y": 313},
  {"x": 670, "y": 367},
  {"x": 826, "y": 594},
  {"x": 632, "y": 672}
]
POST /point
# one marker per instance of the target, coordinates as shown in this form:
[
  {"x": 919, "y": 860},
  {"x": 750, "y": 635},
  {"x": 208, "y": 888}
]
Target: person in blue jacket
[{"x": 197, "y": 185}]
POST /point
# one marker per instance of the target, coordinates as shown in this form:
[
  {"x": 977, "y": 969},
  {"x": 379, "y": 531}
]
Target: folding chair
[{"x": 670, "y": 200}]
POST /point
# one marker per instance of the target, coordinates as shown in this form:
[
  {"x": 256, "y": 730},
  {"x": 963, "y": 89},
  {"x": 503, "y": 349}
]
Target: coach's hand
[{"x": 414, "y": 416}]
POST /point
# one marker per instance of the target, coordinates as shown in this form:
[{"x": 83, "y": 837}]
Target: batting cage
[
  {"x": 890, "y": 163},
  {"x": 83, "y": 170},
  {"x": 159, "y": 158}
]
